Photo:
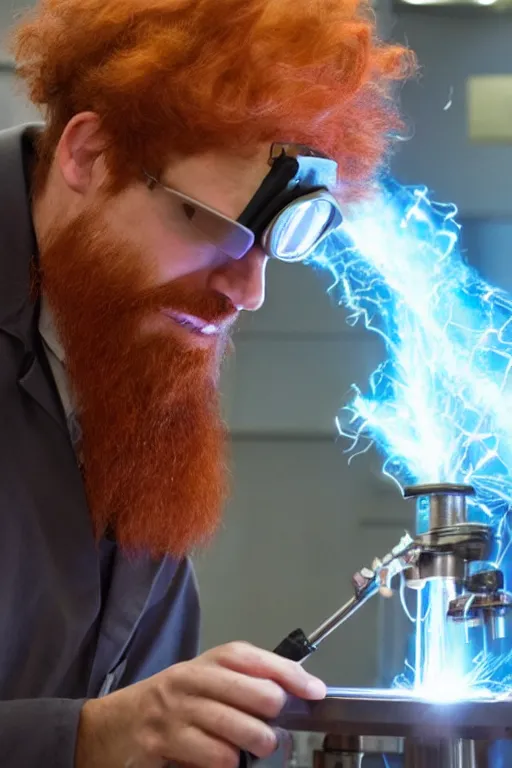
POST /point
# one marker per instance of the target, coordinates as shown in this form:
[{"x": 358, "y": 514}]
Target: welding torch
[{"x": 297, "y": 646}]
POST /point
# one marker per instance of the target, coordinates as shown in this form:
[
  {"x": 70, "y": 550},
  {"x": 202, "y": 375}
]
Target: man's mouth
[{"x": 193, "y": 323}]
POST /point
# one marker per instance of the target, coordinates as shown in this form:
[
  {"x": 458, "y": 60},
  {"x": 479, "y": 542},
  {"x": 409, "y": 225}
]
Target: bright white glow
[
  {"x": 399, "y": 694},
  {"x": 208, "y": 330}
]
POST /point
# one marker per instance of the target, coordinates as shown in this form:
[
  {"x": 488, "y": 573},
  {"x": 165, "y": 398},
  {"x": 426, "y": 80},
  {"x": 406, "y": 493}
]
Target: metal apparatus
[{"x": 454, "y": 554}]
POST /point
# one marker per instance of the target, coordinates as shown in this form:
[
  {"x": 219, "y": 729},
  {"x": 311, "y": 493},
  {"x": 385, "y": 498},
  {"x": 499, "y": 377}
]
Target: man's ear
[{"x": 80, "y": 145}]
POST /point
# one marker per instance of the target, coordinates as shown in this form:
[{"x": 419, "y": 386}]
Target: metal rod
[{"x": 342, "y": 614}]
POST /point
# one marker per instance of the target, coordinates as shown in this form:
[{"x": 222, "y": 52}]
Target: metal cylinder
[
  {"x": 495, "y": 626},
  {"x": 446, "y": 510},
  {"x": 443, "y": 565},
  {"x": 446, "y": 538},
  {"x": 446, "y": 502},
  {"x": 448, "y": 753}
]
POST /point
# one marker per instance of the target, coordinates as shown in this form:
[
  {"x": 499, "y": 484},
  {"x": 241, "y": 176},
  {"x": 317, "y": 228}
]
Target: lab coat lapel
[
  {"x": 39, "y": 385},
  {"x": 18, "y": 246},
  {"x": 129, "y": 594}
]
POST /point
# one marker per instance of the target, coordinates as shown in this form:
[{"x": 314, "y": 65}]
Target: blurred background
[{"x": 301, "y": 520}]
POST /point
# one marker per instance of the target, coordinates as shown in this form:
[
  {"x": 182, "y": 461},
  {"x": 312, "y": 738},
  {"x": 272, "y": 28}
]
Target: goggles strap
[{"x": 275, "y": 182}]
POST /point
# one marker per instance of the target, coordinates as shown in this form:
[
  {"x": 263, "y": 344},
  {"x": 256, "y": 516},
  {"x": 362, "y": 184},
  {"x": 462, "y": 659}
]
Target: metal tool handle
[{"x": 296, "y": 646}]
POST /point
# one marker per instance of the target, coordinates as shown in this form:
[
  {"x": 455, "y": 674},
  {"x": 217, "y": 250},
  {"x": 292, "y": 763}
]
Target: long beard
[{"x": 154, "y": 444}]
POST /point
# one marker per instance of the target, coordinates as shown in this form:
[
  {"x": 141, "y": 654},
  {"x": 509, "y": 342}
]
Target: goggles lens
[
  {"x": 229, "y": 236},
  {"x": 298, "y": 228}
]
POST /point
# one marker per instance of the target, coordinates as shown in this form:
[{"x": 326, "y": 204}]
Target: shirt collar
[
  {"x": 56, "y": 356},
  {"x": 48, "y": 331}
]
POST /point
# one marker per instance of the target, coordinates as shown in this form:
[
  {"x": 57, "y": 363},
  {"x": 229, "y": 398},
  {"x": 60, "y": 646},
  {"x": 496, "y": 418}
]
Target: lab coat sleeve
[{"x": 39, "y": 732}]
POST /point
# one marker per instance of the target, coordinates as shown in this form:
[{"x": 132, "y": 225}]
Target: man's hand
[{"x": 199, "y": 714}]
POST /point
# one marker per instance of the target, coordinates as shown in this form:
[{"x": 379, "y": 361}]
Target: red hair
[{"x": 184, "y": 76}]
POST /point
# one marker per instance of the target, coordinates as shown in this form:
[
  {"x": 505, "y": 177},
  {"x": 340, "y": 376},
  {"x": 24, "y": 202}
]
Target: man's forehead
[{"x": 222, "y": 180}]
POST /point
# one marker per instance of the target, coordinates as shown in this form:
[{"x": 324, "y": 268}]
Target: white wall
[
  {"x": 490, "y": 244},
  {"x": 14, "y": 108},
  {"x": 476, "y": 178}
]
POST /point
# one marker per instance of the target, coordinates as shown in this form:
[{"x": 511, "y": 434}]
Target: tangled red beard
[{"x": 153, "y": 441}]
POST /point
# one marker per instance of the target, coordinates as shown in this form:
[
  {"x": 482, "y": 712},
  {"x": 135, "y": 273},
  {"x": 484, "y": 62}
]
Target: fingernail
[{"x": 316, "y": 688}]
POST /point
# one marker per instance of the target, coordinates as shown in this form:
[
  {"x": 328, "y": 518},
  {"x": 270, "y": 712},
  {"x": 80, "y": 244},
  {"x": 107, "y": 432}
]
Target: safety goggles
[{"x": 289, "y": 215}]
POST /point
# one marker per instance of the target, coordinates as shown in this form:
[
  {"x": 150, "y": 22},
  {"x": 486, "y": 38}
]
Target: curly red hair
[{"x": 184, "y": 76}]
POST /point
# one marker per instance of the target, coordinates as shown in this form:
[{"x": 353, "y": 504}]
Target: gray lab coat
[{"x": 62, "y": 637}]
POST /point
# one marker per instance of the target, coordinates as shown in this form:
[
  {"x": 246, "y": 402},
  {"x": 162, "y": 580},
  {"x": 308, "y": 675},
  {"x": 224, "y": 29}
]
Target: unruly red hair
[{"x": 183, "y": 76}]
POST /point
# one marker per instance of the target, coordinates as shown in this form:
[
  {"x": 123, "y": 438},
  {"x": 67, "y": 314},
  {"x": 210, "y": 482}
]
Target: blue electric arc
[{"x": 439, "y": 406}]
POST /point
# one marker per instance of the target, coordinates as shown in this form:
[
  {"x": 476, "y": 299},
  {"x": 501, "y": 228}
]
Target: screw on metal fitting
[{"x": 486, "y": 582}]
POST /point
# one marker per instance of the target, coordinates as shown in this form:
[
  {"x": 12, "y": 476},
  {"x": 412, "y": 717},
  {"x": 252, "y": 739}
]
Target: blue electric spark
[{"x": 440, "y": 406}]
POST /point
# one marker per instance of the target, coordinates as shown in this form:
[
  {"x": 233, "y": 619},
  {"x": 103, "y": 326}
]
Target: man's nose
[{"x": 242, "y": 280}]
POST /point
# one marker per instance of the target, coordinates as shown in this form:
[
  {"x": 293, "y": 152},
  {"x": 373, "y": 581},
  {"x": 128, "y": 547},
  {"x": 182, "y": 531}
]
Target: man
[{"x": 135, "y": 226}]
